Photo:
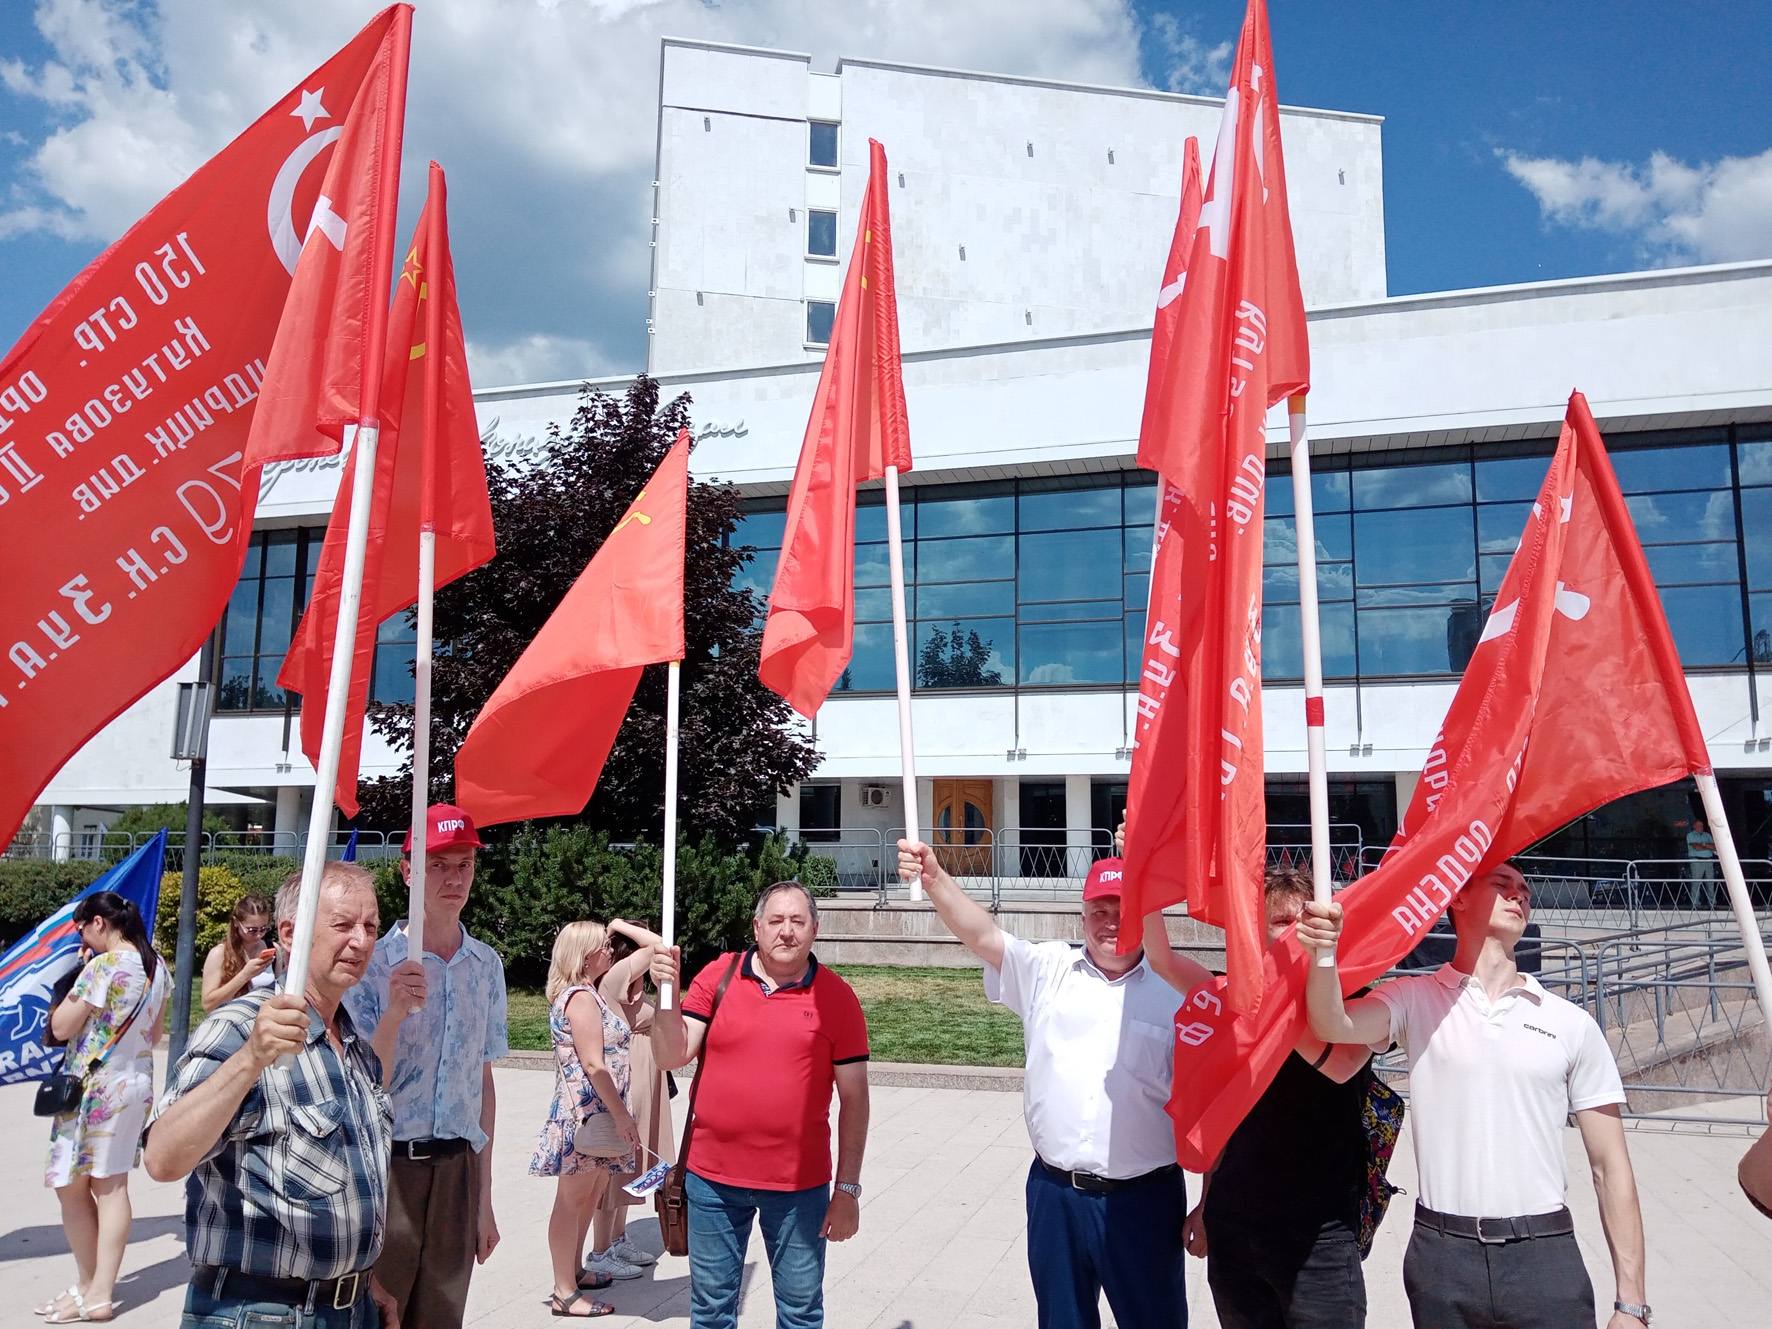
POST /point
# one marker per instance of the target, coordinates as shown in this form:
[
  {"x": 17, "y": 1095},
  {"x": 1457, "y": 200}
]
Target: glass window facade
[
  {"x": 1042, "y": 582},
  {"x": 266, "y": 608},
  {"x": 821, "y": 317}
]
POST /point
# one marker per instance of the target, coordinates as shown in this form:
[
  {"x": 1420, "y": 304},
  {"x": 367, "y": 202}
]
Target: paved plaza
[{"x": 942, "y": 1240}]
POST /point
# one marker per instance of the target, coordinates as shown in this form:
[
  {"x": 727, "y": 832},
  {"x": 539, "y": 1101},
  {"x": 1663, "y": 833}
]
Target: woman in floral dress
[
  {"x": 93, "y": 1148},
  {"x": 591, "y": 1076}
]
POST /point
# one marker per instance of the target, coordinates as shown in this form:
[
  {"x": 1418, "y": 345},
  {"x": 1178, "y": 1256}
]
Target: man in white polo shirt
[
  {"x": 1106, "y": 1201},
  {"x": 1496, "y": 1066}
]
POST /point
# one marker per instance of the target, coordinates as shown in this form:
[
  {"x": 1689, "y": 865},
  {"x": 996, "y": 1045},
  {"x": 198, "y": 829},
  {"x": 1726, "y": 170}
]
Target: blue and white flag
[{"x": 30, "y": 969}]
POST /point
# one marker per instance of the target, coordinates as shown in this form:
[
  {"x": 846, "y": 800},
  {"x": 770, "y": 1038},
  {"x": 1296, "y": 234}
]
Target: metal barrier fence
[
  {"x": 1678, "y": 1010},
  {"x": 114, "y": 846},
  {"x": 859, "y": 856},
  {"x": 1023, "y": 862},
  {"x": 1613, "y": 895}
]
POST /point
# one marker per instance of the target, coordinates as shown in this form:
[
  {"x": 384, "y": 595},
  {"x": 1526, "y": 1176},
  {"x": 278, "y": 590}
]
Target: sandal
[
  {"x": 48, "y": 1307},
  {"x": 592, "y": 1282},
  {"x": 564, "y": 1308},
  {"x": 84, "y": 1313}
]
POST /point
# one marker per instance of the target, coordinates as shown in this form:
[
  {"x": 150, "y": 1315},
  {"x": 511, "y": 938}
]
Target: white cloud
[
  {"x": 1717, "y": 212},
  {"x": 537, "y": 358},
  {"x": 544, "y": 112},
  {"x": 1190, "y": 64}
]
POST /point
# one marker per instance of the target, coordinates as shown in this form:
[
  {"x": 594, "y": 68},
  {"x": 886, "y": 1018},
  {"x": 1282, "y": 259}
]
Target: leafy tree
[
  {"x": 957, "y": 659},
  {"x": 737, "y": 748}
]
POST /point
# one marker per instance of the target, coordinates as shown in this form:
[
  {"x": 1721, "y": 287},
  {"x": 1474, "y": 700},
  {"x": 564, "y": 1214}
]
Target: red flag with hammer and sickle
[{"x": 539, "y": 744}]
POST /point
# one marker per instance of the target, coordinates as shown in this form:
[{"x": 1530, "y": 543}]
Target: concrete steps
[{"x": 909, "y": 934}]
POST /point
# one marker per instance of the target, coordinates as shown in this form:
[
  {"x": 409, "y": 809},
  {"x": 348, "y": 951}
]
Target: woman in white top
[
  {"x": 242, "y": 962},
  {"x": 111, "y": 1020}
]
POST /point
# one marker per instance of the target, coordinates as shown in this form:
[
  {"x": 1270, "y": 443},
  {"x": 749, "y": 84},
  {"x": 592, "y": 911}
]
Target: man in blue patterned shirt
[
  {"x": 288, "y": 1191},
  {"x": 437, "y": 1025}
]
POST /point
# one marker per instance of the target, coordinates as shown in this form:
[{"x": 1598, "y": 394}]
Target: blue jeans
[
  {"x": 1128, "y": 1244},
  {"x": 206, "y": 1311},
  {"x": 720, "y": 1229}
]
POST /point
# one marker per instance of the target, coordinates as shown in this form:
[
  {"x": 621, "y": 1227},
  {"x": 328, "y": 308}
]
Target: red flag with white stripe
[
  {"x": 1573, "y": 697},
  {"x": 1197, "y": 830}
]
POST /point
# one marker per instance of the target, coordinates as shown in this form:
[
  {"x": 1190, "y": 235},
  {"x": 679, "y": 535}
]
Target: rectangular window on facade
[
  {"x": 821, "y": 144},
  {"x": 821, "y": 317},
  {"x": 821, "y": 813},
  {"x": 821, "y": 233},
  {"x": 262, "y": 615}
]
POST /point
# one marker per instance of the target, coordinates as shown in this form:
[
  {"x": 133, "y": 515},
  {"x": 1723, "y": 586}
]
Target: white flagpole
[
  {"x": 295, "y": 978},
  {"x": 1316, "y": 743},
  {"x": 901, "y": 651},
  {"x": 421, "y": 744},
  {"x": 668, "y": 922},
  {"x": 1751, "y": 941}
]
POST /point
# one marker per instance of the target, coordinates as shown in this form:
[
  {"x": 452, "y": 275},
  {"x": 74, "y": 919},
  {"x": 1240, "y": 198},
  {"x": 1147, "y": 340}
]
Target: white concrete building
[{"x": 1031, "y": 219}]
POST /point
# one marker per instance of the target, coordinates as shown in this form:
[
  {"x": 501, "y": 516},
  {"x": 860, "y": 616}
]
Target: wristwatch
[
  {"x": 854, "y": 1188},
  {"x": 1641, "y": 1312}
]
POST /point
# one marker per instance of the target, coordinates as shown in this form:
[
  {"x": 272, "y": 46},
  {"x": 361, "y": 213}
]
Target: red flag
[
  {"x": 539, "y": 744},
  {"x": 327, "y": 359},
  {"x": 1197, "y": 829},
  {"x": 133, "y": 394},
  {"x": 428, "y": 426},
  {"x": 857, "y": 429},
  {"x": 1574, "y": 697}
]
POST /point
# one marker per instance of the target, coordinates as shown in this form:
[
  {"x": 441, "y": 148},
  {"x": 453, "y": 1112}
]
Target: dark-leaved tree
[
  {"x": 551, "y": 513},
  {"x": 957, "y": 659}
]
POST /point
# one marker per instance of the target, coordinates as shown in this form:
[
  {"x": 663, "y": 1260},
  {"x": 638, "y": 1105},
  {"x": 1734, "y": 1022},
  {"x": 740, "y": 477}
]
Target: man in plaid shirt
[{"x": 287, "y": 1196}]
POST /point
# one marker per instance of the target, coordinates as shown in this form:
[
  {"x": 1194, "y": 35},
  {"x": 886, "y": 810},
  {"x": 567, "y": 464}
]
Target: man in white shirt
[
  {"x": 1496, "y": 1066},
  {"x": 1106, "y": 1201}
]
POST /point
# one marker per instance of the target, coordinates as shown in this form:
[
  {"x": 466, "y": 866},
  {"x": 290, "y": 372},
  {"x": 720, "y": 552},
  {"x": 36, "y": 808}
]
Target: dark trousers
[
  {"x": 433, "y": 1231},
  {"x": 1461, "y": 1283},
  {"x": 1127, "y": 1243},
  {"x": 1278, "y": 1280}
]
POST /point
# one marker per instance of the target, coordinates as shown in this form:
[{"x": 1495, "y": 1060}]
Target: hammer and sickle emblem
[{"x": 640, "y": 517}]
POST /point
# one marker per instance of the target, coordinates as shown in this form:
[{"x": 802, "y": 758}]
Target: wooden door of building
[{"x": 962, "y": 831}]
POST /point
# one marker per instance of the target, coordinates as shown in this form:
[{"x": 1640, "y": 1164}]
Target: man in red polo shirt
[{"x": 787, "y": 1032}]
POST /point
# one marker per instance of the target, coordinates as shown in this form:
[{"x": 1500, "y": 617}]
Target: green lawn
[{"x": 935, "y": 1016}]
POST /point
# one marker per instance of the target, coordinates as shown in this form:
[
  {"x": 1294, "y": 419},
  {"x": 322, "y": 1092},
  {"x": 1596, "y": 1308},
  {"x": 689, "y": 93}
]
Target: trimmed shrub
[
  {"x": 32, "y": 889},
  {"x": 218, "y": 891}
]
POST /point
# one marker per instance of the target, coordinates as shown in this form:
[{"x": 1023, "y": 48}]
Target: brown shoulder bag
[{"x": 671, "y": 1199}]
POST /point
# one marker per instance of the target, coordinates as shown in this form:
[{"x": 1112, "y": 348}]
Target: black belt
[
  {"x": 421, "y": 1151},
  {"x": 1497, "y": 1231},
  {"x": 309, "y": 1294},
  {"x": 1088, "y": 1181}
]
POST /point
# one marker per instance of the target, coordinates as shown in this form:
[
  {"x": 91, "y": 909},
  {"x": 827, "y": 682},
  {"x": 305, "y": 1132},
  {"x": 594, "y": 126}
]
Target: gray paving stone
[{"x": 943, "y": 1239}]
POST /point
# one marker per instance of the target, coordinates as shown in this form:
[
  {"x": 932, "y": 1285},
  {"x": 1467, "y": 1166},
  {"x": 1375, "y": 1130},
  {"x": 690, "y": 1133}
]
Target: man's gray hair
[
  {"x": 770, "y": 891},
  {"x": 335, "y": 873}
]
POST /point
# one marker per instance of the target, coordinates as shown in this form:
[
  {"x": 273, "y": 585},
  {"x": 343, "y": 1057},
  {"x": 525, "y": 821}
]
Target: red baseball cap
[
  {"x": 446, "y": 827},
  {"x": 1105, "y": 878}
]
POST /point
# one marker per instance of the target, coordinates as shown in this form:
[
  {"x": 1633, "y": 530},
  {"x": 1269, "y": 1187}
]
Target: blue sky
[{"x": 1522, "y": 142}]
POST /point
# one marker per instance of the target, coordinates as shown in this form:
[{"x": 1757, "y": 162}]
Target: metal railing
[
  {"x": 114, "y": 846},
  {"x": 1677, "y": 1007},
  {"x": 859, "y": 856},
  {"x": 1605, "y": 895},
  {"x": 1289, "y": 845}
]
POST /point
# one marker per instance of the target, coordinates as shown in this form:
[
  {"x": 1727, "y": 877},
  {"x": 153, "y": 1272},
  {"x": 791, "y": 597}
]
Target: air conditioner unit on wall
[{"x": 873, "y": 795}]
